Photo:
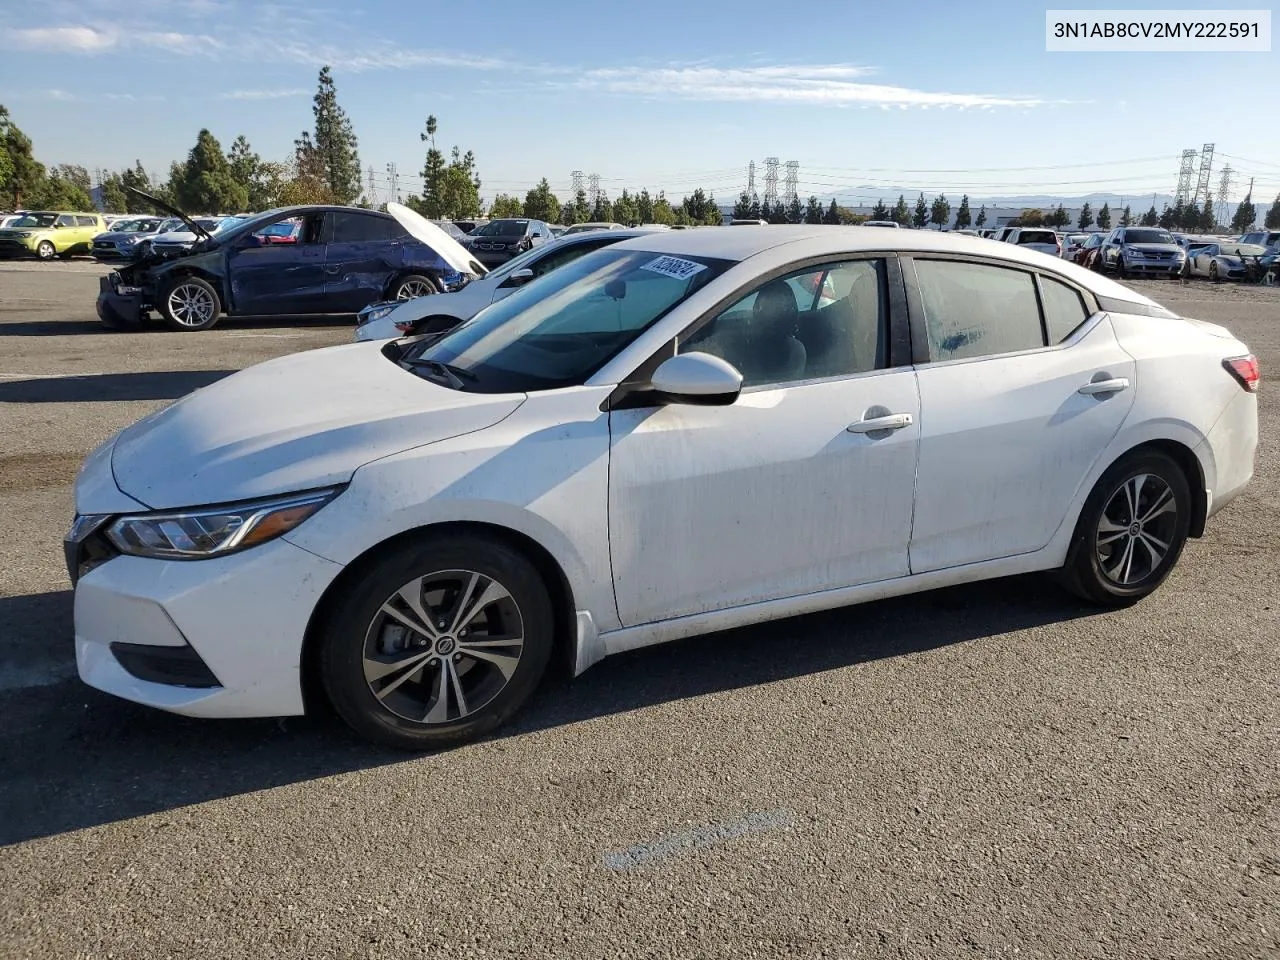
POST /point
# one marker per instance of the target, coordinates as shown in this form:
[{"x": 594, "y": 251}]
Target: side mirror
[
  {"x": 57, "y": 226},
  {"x": 696, "y": 378},
  {"x": 519, "y": 278}
]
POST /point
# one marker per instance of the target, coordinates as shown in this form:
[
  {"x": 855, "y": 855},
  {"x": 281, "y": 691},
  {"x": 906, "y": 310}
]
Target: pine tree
[
  {"x": 742, "y": 209},
  {"x": 813, "y": 211},
  {"x": 624, "y": 209},
  {"x": 1151, "y": 218},
  {"x": 963, "y": 217},
  {"x": 832, "y": 216},
  {"x": 901, "y": 215},
  {"x": 1207, "y": 222},
  {"x": 20, "y": 172},
  {"x": 1168, "y": 216},
  {"x": 644, "y": 206},
  {"x": 940, "y": 212},
  {"x": 433, "y": 172},
  {"x": 1246, "y": 215},
  {"x": 1190, "y": 219},
  {"x": 795, "y": 210},
  {"x": 1104, "y": 217},
  {"x": 206, "y": 183},
  {"x": 541, "y": 204},
  {"x": 879, "y": 211},
  {"x": 1058, "y": 217},
  {"x": 921, "y": 215},
  {"x": 136, "y": 179},
  {"x": 1126, "y": 217},
  {"x": 1086, "y": 217},
  {"x": 335, "y": 142},
  {"x": 982, "y": 217},
  {"x": 603, "y": 209},
  {"x": 1272, "y": 220}
]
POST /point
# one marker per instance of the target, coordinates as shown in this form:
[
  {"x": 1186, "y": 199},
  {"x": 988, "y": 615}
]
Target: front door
[
  {"x": 279, "y": 278},
  {"x": 1022, "y": 392},
  {"x": 790, "y": 490}
]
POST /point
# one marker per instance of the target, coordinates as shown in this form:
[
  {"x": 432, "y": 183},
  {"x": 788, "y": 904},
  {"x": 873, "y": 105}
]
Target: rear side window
[
  {"x": 87, "y": 221},
  {"x": 1064, "y": 309},
  {"x": 976, "y": 310}
]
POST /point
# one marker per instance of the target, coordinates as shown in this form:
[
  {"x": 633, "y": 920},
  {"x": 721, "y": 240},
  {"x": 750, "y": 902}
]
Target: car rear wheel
[
  {"x": 1213, "y": 271},
  {"x": 438, "y": 642},
  {"x": 189, "y": 303},
  {"x": 45, "y": 250},
  {"x": 1131, "y": 531},
  {"x": 413, "y": 286}
]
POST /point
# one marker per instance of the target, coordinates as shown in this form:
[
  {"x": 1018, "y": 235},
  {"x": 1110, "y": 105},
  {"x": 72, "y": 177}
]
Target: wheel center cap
[
  {"x": 1135, "y": 528},
  {"x": 446, "y": 646}
]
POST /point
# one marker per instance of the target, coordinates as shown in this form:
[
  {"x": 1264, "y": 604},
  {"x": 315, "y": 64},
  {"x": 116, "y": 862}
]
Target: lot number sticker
[{"x": 674, "y": 267}]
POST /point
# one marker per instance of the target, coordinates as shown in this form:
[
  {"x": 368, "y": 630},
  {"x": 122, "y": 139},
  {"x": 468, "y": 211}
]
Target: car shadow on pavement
[
  {"x": 94, "y": 387},
  {"x": 76, "y": 758},
  {"x": 51, "y": 328}
]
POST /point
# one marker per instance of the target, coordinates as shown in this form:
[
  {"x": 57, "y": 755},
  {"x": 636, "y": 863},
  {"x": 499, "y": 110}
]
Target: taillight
[{"x": 1245, "y": 370}]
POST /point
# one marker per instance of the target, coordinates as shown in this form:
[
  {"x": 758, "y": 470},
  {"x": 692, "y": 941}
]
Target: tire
[
  {"x": 1121, "y": 271},
  {"x": 1213, "y": 271},
  {"x": 46, "y": 251},
  {"x": 190, "y": 303},
  {"x": 423, "y": 285},
  {"x": 370, "y": 633},
  {"x": 1104, "y": 540}
]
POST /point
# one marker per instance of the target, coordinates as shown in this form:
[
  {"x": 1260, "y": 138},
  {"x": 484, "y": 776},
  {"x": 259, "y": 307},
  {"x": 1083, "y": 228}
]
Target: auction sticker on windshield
[{"x": 674, "y": 267}]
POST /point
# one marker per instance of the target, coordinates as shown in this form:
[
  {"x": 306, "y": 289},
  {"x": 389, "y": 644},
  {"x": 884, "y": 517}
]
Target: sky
[{"x": 929, "y": 96}]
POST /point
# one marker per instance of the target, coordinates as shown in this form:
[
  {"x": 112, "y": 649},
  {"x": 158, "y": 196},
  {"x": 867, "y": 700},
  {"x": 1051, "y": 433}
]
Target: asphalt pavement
[{"x": 987, "y": 771}]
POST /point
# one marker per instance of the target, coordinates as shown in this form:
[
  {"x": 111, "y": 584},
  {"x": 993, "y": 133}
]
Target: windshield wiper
[{"x": 451, "y": 374}]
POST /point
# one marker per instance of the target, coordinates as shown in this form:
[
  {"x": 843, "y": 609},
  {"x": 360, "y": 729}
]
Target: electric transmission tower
[
  {"x": 395, "y": 182},
  {"x": 1226, "y": 183},
  {"x": 576, "y": 180},
  {"x": 372, "y": 196},
  {"x": 1185, "y": 173},
  {"x": 771, "y": 180},
  {"x": 1206, "y": 171},
  {"x": 751, "y": 178},
  {"x": 791, "y": 181},
  {"x": 593, "y": 189}
]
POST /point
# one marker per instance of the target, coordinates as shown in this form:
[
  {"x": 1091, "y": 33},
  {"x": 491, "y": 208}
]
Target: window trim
[
  {"x": 630, "y": 392},
  {"x": 916, "y": 315}
]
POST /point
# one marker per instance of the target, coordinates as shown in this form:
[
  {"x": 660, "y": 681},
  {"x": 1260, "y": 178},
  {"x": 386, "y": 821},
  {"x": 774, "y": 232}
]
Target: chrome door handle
[
  {"x": 1105, "y": 386},
  {"x": 895, "y": 421}
]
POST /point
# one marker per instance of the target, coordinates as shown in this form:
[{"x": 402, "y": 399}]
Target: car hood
[
  {"x": 302, "y": 421},
  {"x": 1154, "y": 247},
  {"x": 449, "y": 250},
  {"x": 173, "y": 211}
]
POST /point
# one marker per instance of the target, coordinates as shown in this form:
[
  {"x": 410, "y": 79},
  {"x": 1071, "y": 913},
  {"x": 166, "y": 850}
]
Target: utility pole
[
  {"x": 751, "y": 178},
  {"x": 1185, "y": 172},
  {"x": 593, "y": 189},
  {"x": 395, "y": 181},
  {"x": 1225, "y": 185},
  {"x": 1206, "y": 171},
  {"x": 789, "y": 188},
  {"x": 771, "y": 180}
]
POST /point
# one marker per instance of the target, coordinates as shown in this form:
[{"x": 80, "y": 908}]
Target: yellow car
[{"x": 49, "y": 234}]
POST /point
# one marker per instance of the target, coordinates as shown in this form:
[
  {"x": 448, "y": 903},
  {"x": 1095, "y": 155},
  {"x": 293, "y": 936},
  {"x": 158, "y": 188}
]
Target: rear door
[
  {"x": 363, "y": 255},
  {"x": 1007, "y": 435},
  {"x": 279, "y": 278}
]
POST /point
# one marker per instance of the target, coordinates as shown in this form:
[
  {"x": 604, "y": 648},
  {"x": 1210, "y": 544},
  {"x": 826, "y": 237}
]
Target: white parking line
[
  {"x": 697, "y": 837},
  {"x": 265, "y": 336},
  {"x": 44, "y": 376}
]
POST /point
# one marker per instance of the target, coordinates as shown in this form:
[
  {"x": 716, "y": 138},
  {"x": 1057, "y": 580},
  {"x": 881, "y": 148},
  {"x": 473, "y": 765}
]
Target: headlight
[
  {"x": 1132, "y": 253},
  {"x": 26, "y": 234},
  {"x": 215, "y": 531},
  {"x": 377, "y": 313},
  {"x": 131, "y": 239}
]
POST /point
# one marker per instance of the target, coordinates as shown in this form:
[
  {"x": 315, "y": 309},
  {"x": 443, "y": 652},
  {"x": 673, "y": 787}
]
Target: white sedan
[{"x": 679, "y": 433}]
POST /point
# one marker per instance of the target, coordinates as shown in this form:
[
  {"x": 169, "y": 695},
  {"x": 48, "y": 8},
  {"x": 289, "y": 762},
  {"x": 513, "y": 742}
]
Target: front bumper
[
  {"x": 203, "y": 638},
  {"x": 17, "y": 248},
  {"x": 1162, "y": 267},
  {"x": 494, "y": 258},
  {"x": 116, "y": 308}
]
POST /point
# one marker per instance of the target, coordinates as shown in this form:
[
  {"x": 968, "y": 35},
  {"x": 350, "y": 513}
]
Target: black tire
[
  {"x": 1086, "y": 571},
  {"x": 360, "y": 632},
  {"x": 189, "y": 303},
  {"x": 423, "y": 285},
  {"x": 46, "y": 251},
  {"x": 1213, "y": 272}
]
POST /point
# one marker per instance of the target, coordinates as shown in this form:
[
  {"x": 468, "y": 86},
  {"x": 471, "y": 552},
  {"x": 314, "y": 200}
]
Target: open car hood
[
  {"x": 449, "y": 249},
  {"x": 192, "y": 226}
]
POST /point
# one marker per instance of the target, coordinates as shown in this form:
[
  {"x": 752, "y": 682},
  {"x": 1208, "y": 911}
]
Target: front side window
[
  {"x": 35, "y": 220},
  {"x": 976, "y": 310},
  {"x": 826, "y": 321},
  {"x": 559, "y": 331},
  {"x": 559, "y": 258},
  {"x": 1064, "y": 309}
]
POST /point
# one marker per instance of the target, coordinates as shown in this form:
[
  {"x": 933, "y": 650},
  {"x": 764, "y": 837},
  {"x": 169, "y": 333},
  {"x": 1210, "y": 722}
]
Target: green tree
[
  {"x": 981, "y": 220},
  {"x": 742, "y": 209},
  {"x": 879, "y": 211},
  {"x": 20, "y": 171},
  {"x": 541, "y": 204},
  {"x": 1104, "y": 217},
  {"x": 940, "y": 212},
  {"x": 754, "y": 213},
  {"x": 206, "y": 184},
  {"x": 1126, "y": 216},
  {"x": 921, "y": 215},
  {"x": 1207, "y": 222},
  {"x": 777, "y": 212},
  {"x": 1150, "y": 218},
  {"x": 74, "y": 174},
  {"x": 813, "y": 211},
  {"x": 567, "y": 215},
  {"x": 624, "y": 209},
  {"x": 602, "y": 209},
  {"x": 136, "y": 179},
  {"x": 1272, "y": 220},
  {"x": 644, "y": 206},
  {"x": 1058, "y": 217},
  {"x": 1086, "y": 216},
  {"x": 247, "y": 170},
  {"x": 58, "y": 192},
  {"x": 307, "y": 182},
  {"x": 832, "y": 216},
  {"x": 700, "y": 208},
  {"x": 1190, "y": 219},
  {"x": 1246, "y": 215},
  {"x": 795, "y": 211},
  {"x": 1031, "y": 217},
  {"x": 504, "y": 205},
  {"x": 963, "y": 216},
  {"x": 901, "y": 215},
  {"x": 1168, "y": 216},
  {"x": 581, "y": 209},
  {"x": 662, "y": 212},
  {"x": 114, "y": 199},
  {"x": 335, "y": 142},
  {"x": 433, "y": 173}
]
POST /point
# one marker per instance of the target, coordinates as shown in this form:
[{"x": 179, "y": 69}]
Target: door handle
[
  {"x": 894, "y": 421},
  {"x": 1105, "y": 386}
]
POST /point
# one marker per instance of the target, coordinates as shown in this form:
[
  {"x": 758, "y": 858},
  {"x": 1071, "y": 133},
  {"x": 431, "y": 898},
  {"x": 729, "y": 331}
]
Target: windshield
[
  {"x": 168, "y": 226},
  {"x": 135, "y": 226},
  {"x": 1147, "y": 236},
  {"x": 560, "y": 329},
  {"x": 217, "y": 226},
  {"x": 36, "y": 220},
  {"x": 515, "y": 263},
  {"x": 503, "y": 228},
  {"x": 1244, "y": 249}
]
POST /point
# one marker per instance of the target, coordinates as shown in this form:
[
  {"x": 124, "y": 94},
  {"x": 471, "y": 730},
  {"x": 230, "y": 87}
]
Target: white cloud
[
  {"x": 264, "y": 94},
  {"x": 83, "y": 39},
  {"x": 177, "y": 42}
]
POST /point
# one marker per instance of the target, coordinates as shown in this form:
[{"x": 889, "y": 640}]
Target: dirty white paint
[{"x": 696, "y": 838}]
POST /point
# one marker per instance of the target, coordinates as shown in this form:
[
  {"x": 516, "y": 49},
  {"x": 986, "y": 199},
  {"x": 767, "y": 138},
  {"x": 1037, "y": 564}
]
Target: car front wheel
[
  {"x": 411, "y": 287},
  {"x": 438, "y": 642},
  {"x": 45, "y": 250},
  {"x": 190, "y": 303},
  {"x": 1131, "y": 531}
]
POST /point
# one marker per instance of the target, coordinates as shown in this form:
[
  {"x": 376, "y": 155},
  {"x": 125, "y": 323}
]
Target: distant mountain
[{"x": 863, "y": 195}]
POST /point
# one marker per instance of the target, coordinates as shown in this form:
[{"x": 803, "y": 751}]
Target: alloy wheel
[
  {"x": 191, "y": 305},
  {"x": 443, "y": 646},
  {"x": 1136, "y": 530},
  {"x": 45, "y": 250},
  {"x": 412, "y": 289}
]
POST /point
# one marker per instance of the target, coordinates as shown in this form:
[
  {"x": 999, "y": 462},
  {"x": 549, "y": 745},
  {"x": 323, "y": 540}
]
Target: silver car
[
  {"x": 1222, "y": 261},
  {"x": 1142, "y": 251}
]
